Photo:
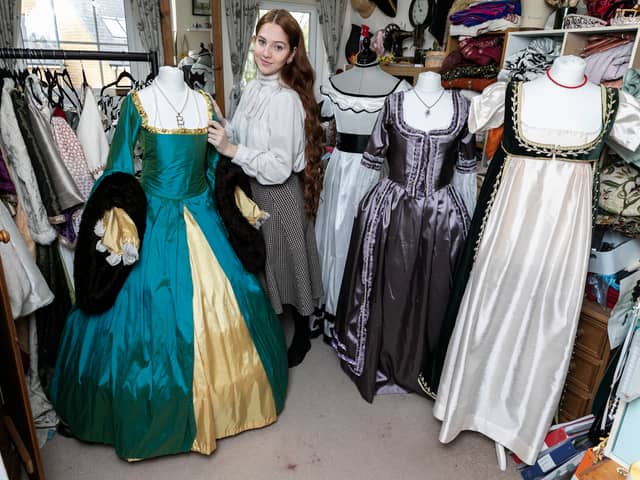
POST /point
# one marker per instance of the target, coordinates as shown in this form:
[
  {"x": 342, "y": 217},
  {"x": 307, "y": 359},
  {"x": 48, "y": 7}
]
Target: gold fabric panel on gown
[{"x": 231, "y": 391}]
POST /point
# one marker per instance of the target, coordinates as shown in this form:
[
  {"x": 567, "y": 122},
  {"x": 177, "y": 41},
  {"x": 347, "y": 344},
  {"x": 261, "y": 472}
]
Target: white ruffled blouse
[{"x": 268, "y": 127}]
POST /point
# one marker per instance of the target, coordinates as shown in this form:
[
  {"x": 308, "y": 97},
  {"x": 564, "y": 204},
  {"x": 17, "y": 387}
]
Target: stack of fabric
[
  {"x": 608, "y": 57},
  {"x": 483, "y": 17},
  {"x": 474, "y": 65},
  {"x": 619, "y": 201}
]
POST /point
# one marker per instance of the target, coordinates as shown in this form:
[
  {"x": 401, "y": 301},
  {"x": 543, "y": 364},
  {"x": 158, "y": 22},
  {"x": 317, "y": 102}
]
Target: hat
[
  {"x": 364, "y": 8},
  {"x": 388, "y": 7}
]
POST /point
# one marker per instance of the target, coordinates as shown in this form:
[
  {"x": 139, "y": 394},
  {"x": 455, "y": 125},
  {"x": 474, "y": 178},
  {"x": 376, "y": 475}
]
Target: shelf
[
  {"x": 201, "y": 29},
  {"x": 407, "y": 70}
]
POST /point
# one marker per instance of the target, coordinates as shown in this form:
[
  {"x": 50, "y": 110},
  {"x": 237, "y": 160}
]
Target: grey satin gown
[{"x": 406, "y": 241}]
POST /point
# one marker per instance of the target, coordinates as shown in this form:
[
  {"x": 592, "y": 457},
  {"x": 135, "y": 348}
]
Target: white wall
[{"x": 184, "y": 19}]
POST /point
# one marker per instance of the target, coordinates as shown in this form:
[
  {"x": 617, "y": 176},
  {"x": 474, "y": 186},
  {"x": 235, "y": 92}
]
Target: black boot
[{"x": 300, "y": 344}]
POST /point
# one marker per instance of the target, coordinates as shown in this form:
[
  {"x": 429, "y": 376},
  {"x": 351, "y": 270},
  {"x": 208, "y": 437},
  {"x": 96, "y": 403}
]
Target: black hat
[{"x": 388, "y": 7}]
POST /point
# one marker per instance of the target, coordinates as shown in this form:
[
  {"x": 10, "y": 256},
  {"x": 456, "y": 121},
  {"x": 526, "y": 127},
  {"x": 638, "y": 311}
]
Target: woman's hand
[{"x": 217, "y": 136}]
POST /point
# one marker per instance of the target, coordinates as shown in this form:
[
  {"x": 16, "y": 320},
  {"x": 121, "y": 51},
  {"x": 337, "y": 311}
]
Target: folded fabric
[
  {"x": 631, "y": 82},
  {"x": 451, "y": 61},
  {"x": 606, "y": 9},
  {"x": 602, "y": 43},
  {"x": 629, "y": 226},
  {"x": 512, "y": 20},
  {"x": 530, "y": 62},
  {"x": 610, "y": 64},
  {"x": 475, "y": 84},
  {"x": 471, "y": 71},
  {"x": 481, "y": 50},
  {"x": 484, "y": 11},
  {"x": 620, "y": 190}
]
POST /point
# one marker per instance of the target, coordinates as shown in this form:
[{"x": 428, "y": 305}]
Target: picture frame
[
  {"x": 622, "y": 443},
  {"x": 201, "y": 7}
]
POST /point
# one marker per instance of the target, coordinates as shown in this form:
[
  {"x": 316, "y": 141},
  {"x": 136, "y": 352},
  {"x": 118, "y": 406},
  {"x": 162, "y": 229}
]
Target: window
[
  {"x": 307, "y": 18},
  {"x": 77, "y": 25}
]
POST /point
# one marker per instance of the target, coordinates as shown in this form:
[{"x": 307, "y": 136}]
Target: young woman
[{"x": 274, "y": 137}]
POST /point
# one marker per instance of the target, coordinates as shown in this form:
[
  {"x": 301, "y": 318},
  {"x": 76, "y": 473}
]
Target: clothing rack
[{"x": 48, "y": 54}]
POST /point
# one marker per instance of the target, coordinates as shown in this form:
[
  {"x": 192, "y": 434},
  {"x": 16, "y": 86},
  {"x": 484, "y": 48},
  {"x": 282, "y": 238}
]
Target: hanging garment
[
  {"x": 269, "y": 155},
  {"x": 65, "y": 189},
  {"x": 404, "y": 248},
  {"x": 191, "y": 350},
  {"x": 7, "y": 188},
  {"x": 346, "y": 181},
  {"x": 19, "y": 164},
  {"x": 28, "y": 290},
  {"x": 91, "y": 135},
  {"x": 520, "y": 284},
  {"x": 73, "y": 157}
]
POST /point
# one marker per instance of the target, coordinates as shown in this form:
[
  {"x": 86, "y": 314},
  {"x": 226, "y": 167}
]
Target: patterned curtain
[
  {"x": 10, "y": 25},
  {"x": 146, "y": 16},
  {"x": 241, "y": 19},
  {"x": 331, "y": 20}
]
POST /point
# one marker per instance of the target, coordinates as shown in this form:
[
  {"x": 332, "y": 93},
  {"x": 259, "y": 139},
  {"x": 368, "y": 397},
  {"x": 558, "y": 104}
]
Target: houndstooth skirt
[{"x": 292, "y": 269}]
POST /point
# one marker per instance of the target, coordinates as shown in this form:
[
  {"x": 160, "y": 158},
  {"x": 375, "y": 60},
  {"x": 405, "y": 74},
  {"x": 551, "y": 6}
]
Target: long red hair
[{"x": 299, "y": 76}]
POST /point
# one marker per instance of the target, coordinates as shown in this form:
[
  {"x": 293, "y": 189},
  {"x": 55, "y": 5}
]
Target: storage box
[{"x": 625, "y": 254}]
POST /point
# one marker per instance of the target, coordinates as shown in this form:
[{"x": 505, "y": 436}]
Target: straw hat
[{"x": 364, "y": 8}]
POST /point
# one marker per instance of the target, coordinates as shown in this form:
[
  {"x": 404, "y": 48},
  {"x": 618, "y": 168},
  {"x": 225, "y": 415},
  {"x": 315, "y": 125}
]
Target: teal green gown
[{"x": 192, "y": 350}]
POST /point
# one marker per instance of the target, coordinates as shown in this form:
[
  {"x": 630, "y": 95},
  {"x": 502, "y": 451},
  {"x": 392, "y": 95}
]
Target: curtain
[
  {"x": 241, "y": 19},
  {"x": 146, "y": 17},
  {"x": 332, "y": 13},
  {"x": 10, "y": 25}
]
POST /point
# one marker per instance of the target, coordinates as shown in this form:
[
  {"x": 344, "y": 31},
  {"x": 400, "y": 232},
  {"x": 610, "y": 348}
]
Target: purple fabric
[
  {"x": 484, "y": 12},
  {"x": 6, "y": 184},
  {"x": 608, "y": 65}
]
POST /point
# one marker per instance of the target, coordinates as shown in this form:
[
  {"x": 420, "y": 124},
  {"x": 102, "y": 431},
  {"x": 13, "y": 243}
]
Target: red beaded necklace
[{"x": 584, "y": 82}]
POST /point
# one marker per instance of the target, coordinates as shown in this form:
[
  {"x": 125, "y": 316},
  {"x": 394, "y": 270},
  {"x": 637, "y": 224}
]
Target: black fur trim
[
  {"x": 246, "y": 240},
  {"x": 97, "y": 283}
]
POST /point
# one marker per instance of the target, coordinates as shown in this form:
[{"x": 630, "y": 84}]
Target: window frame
[{"x": 315, "y": 49}]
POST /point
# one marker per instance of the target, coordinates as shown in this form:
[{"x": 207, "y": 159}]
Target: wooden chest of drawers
[{"x": 588, "y": 363}]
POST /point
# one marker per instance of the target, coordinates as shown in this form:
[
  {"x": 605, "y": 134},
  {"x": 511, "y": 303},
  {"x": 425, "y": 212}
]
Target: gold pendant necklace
[{"x": 179, "y": 117}]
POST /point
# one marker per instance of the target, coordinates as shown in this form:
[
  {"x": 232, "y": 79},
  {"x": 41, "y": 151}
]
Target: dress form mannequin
[
  {"x": 368, "y": 80},
  {"x": 170, "y": 81},
  {"x": 571, "y": 104},
  {"x": 428, "y": 90},
  {"x": 366, "y": 77}
]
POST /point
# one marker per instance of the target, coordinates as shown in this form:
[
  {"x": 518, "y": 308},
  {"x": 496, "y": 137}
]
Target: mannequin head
[{"x": 568, "y": 70}]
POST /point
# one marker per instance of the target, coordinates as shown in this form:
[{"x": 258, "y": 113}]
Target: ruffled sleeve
[
  {"x": 624, "y": 136},
  {"x": 487, "y": 110}
]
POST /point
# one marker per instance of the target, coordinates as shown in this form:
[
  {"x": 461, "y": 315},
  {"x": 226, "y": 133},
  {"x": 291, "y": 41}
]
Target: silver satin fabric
[
  {"x": 510, "y": 350},
  {"x": 406, "y": 241}
]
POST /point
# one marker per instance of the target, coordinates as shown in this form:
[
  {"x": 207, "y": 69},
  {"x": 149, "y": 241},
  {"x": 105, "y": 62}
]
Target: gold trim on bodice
[{"x": 171, "y": 131}]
